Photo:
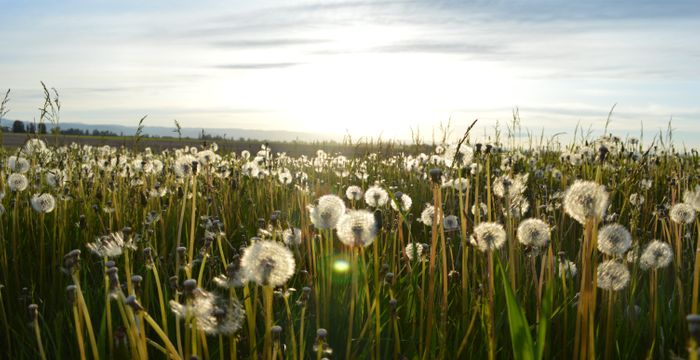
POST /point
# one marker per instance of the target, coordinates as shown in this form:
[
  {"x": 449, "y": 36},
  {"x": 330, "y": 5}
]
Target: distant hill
[{"x": 163, "y": 131}]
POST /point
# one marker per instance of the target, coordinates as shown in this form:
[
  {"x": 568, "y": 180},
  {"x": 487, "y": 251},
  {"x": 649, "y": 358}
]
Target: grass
[{"x": 454, "y": 301}]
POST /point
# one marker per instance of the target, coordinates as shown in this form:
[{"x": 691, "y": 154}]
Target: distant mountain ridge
[{"x": 164, "y": 131}]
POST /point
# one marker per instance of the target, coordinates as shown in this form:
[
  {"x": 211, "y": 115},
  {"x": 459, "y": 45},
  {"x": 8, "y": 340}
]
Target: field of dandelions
[{"x": 471, "y": 250}]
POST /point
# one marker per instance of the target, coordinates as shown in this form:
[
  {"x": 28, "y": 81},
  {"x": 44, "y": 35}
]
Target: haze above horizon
[{"x": 362, "y": 67}]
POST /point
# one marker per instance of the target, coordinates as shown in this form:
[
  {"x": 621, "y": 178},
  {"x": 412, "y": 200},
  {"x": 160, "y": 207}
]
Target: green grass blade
[
  {"x": 517, "y": 322},
  {"x": 545, "y": 315}
]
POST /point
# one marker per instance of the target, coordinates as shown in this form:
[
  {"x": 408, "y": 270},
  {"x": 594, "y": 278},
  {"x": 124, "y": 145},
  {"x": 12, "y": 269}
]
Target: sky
[{"x": 364, "y": 68}]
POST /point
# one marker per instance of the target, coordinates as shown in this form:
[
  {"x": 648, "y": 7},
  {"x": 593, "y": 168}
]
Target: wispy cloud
[{"x": 257, "y": 66}]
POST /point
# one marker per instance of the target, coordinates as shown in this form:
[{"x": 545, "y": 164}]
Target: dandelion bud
[
  {"x": 189, "y": 286},
  {"x": 276, "y": 215},
  {"x": 33, "y": 311},
  {"x": 321, "y": 334},
  {"x": 488, "y": 148},
  {"x": 173, "y": 283},
  {"x": 82, "y": 223},
  {"x": 389, "y": 278},
  {"x": 70, "y": 294},
  {"x": 181, "y": 251},
  {"x": 392, "y": 304},
  {"x": 126, "y": 231},
  {"x": 131, "y": 301},
  {"x": 694, "y": 326},
  {"x": 148, "y": 254},
  {"x": 436, "y": 175},
  {"x": 603, "y": 153},
  {"x": 136, "y": 281},
  {"x": 71, "y": 260},
  {"x": 276, "y": 331},
  {"x": 261, "y": 223},
  {"x": 113, "y": 278},
  {"x": 110, "y": 264}
]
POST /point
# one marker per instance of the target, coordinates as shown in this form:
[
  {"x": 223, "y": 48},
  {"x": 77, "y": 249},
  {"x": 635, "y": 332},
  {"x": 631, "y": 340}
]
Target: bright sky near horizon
[{"x": 363, "y": 67}]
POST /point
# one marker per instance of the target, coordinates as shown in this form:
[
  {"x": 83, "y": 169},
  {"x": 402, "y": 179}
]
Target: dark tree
[
  {"x": 42, "y": 128},
  {"x": 31, "y": 128},
  {"x": 18, "y": 127}
]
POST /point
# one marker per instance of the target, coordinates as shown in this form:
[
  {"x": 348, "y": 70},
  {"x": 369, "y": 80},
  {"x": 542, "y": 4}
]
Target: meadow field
[{"x": 454, "y": 250}]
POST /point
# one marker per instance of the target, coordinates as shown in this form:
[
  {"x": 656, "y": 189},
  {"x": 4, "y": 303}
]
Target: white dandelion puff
[
  {"x": 585, "y": 200},
  {"x": 488, "y": 236},
  {"x": 110, "y": 245},
  {"x": 426, "y": 217},
  {"x": 692, "y": 198},
  {"x": 614, "y": 240},
  {"x": 292, "y": 236},
  {"x": 185, "y": 165},
  {"x": 451, "y": 223},
  {"x": 656, "y": 255},
  {"x": 682, "y": 213},
  {"x": 567, "y": 269},
  {"x": 403, "y": 200},
  {"x": 43, "y": 203},
  {"x": 353, "y": 192},
  {"x": 17, "y": 182},
  {"x": 534, "y": 233},
  {"x": 613, "y": 275},
  {"x": 267, "y": 263},
  {"x": 375, "y": 196},
  {"x": 327, "y": 212},
  {"x": 415, "y": 251},
  {"x": 357, "y": 228}
]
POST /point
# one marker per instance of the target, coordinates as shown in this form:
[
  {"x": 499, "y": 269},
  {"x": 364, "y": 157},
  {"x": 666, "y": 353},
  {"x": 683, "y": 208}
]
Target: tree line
[{"x": 20, "y": 127}]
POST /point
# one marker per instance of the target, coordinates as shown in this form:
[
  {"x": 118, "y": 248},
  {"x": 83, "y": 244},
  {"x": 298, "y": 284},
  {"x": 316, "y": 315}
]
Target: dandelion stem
[{"x": 37, "y": 334}]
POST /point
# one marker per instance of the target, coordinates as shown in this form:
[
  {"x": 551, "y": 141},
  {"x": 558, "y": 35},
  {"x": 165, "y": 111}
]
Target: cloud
[
  {"x": 257, "y": 66},
  {"x": 266, "y": 43}
]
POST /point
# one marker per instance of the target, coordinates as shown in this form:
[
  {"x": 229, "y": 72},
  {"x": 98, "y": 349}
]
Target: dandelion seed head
[
  {"x": 534, "y": 233},
  {"x": 613, "y": 275},
  {"x": 637, "y": 199},
  {"x": 17, "y": 182},
  {"x": 567, "y": 268},
  {"x": 488, "y": 236},
  {"x": 656, "y": 255},
  {"x": 692, "y": 198},
  {"x": 682, "y": 213},
  {"x": 267, "y": 263},
  {"x": 43, "y": 203},
  {"x": 183, "y": 166},
  {"x": 403, "y": 200},
  {"x": 292, "y": 236},
  {"x": 327, "y": 212},
  {"x": 510, "y": 186},
  {"x": 18, "y": 164},
  {"x": 357, "y": 228},
  {"x": 426, "y": 217},
  {"x": 614, "y": 240},
  {"x": 354, "y": 192},
  {"x": 451, "y": 223},
  {"x": 585, "y": 200},
  {"x": 461, "y": 157},
  {"x": 375, "y": 196},
  {"x": 110, "y": 245},
  {"x": 415, "y": 251},
  {"x": 33, "y": 146}
]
